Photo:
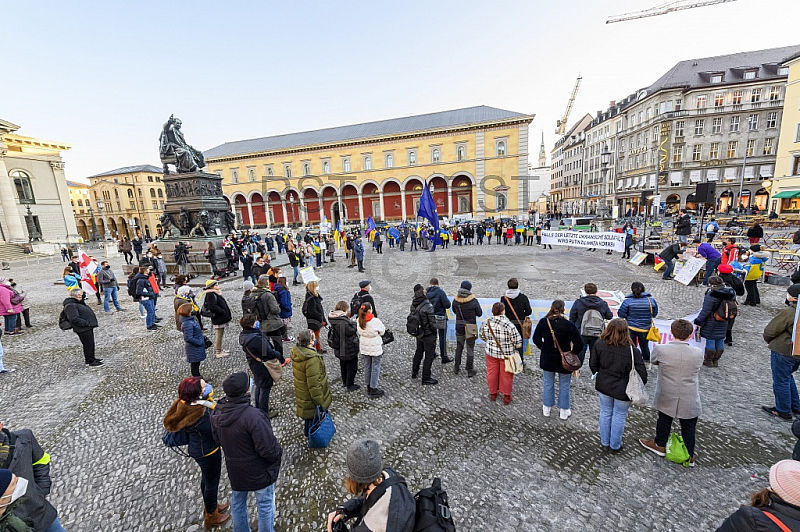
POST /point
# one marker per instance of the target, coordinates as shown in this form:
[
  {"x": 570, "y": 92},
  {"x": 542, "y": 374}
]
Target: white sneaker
[
  {"x": 565, "y": 413},
  {"x": 546, "y": 411},
  {"x": 221, "y": 354}
]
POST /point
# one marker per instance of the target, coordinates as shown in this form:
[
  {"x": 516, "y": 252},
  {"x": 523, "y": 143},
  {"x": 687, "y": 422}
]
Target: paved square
[{"x": 505, "y": 468}]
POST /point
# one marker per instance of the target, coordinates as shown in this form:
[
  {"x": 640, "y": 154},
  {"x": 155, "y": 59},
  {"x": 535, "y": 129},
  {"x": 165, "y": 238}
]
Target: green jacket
[
  {"x": 778, "y": 332},
  {"x": 310, "y": 381}
]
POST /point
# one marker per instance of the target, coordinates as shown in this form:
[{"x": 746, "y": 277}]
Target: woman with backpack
[
  {"x": 343, "y": 339},
  {"x": 282, "y": 295},
  {"x": 719, "y": 305},
  {"x": 258, "y": 353},
  {"x": 314, "y": 313},
  {"x": 189, "y": 413},
  {"x": 131, "y": 283},
  {"x": 611, "y": 360},
  {"x": 370, "y": 331},
  {"x": 220, "y": 314},
  {"x": 382, "y": 501},
  {"x": 10, "y": 307},
  {"x": 193, "y": 340},
  {"x": 502, "y": 339},
  {"x": 556, "y": 328},
  {"x": 639, "y": 309}
]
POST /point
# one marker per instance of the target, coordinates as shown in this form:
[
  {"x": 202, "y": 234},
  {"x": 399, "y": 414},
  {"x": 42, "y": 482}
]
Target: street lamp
[
  {"x": 94, "y": 236},
  {"x": 107, "y": 234},
  {"x": 605, "y": 159}
]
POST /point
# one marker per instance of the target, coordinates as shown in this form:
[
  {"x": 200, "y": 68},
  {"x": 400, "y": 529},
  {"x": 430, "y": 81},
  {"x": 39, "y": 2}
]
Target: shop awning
[{"x": 787, "y": 194}]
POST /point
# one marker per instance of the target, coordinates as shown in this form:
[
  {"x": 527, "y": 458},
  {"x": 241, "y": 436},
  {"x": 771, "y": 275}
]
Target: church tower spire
[{"x": 542, "y": 154}]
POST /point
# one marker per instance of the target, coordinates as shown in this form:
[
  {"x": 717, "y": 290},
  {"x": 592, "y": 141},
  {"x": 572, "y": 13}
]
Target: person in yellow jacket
[{"x": 755, "y": 269}]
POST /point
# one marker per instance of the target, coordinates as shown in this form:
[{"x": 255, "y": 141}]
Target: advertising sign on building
[{"x": 663, "y": 152}]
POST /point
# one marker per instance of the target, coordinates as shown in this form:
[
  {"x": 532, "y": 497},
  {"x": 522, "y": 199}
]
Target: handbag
[
  {"x": 653, "y": 334},
  {"x": 470, "y": 329},
  {"x": 513, "y": 363},
  {"x": 440, "y": 322},
  {"x": 635, "y": 389},
  {"x": 526, "y": 324},
  {"x": 206, "y": 342},
  {"x": 676, "y": 450},
  {"x": 569, "y": 360},
  {"x": 387, "y": 337},
  {"x": 273, "y": 366},
  {"x": 322, "y": 429}
]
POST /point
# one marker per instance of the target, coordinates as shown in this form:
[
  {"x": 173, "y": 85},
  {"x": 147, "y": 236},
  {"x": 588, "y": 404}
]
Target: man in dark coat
[
  {"x": 518, "y": 307},
  {"x": 683, "y": 227},
  {"x": 364, "y": 297},
  {"x": 584, "y": 304},
  {"x": 668, "y": 255},
  {"x": 252, "y": 453},
  {"x": 426, "y": 341},
  {"x": 83, "y": 321},
  {"x": 467, "y": 309},
  {"x": 247, "y": 266},
  {"x": 144, "y": 291},
  {"x": 440, "y": 303}
]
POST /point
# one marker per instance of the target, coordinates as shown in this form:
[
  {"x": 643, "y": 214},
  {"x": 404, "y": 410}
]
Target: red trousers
[
  {"x": 317, "y": 344},
  {"x": 498, "y": 377}
]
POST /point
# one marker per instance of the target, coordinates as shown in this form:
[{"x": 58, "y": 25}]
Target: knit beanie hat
[
  {"x": 755, "y": 247},
  {"x": 248, "y": 285},
  {"x": 466, "y": 285},
  {"x": 5, "y": 480},
  {"x": 418, "y": 288},
  {"x": 236, "y": 385},
  {"x": 364, "y": 464},
  {"x": 784, "y": 479},
  {"x": 725, "y": 268}
]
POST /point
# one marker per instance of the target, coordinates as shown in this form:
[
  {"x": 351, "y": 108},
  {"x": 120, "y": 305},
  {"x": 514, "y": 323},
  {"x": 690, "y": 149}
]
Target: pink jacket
[{"x": 5, "y": 302}]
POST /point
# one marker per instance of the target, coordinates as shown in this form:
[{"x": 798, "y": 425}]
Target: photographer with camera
[
  {"x": 382, "y": 503},
  {"x": 182, "y": 258}
]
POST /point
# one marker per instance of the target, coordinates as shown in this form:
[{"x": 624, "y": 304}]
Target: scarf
[
  {"x": 9, "y": 522},
  {"x": 368, "y": 317}
]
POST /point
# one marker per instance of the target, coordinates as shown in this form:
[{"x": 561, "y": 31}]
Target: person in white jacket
[{"x": 370, "y": 330}]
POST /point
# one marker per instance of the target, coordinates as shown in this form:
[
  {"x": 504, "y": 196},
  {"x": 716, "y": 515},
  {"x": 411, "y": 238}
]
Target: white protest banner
[
  {"x": 689, "y": 270},
  {"x": 610, "y": 240},
  {"x": 307, "y": 274}
]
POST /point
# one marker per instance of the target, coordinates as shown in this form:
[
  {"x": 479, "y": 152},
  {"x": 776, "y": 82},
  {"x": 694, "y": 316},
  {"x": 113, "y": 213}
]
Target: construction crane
[
  {"x": 669, "y": 7},
  {"x": 561, "y": 125}
]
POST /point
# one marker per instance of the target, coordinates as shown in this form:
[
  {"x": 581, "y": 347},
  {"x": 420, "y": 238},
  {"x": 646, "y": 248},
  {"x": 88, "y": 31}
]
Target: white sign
[
  {"x": 690, "y": 270},
  {"x": 638, "y": 259},
  {"x": 307, "y": 274},
  {"x": 610, "y": 240}
]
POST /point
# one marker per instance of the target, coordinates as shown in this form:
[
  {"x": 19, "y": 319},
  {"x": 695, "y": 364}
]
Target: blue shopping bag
[{"x": 322, "y": 429}]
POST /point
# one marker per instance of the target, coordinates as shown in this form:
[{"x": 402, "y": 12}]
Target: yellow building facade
[
  {"x": 786, "y": 187},
  {"x": 472, "y": 160},
  {"x": 132, "y": 200}
]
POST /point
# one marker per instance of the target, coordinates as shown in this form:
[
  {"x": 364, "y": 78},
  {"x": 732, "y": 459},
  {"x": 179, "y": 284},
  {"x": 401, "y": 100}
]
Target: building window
[
  {"x": 697, "y": 152},
  {"x": 80, "y": 203},
  {"x": 461, "y": 153},
  {"x": 140, "y": 194},
  {"x": 367, "y": 162},
  {"x": 772, "y": 120},
  {"x": 235, "y": 175},
  {"x": 713, "y": 153},
  {"x": 755, "y": 95},
  {"x": 270, "y": 171},
  {"x": 783, "y": 71},
  {"x": 716, "y": 78},
  {"x": 502, "y": 201},
  {"x": 797, "y": 134},
  {"x": 326, "y": 167},
  {"x": 768, "y": 143},
  {"x": 152, "y": 193},
  {"x": 734, "y": 124},
  {"x": 774, "y": 93},
  {"x": 678, "y": 104},
  {"x": 751, "y": 147},
  {"x": 752, "y": 122},
  {"x": 501, "y": 148},
  {"x": 251, "y": 173},
  {"x": 750, "y": 74},
  {"x": 155, "y": 205},
  {"x": 412, "y": 157},
  {"x": 306, "y": 169},
  {"x": 149, "y": 179},
  {"x": 719, "y": 99},
  {"x": 436, "y": 155},
  {"x": 679, "y": 127},
  {"x": 346, "y": 164},
  {"x": 463, "y": 204},
  {"x": 702, "y": 101},
  {"x": 677, "y": 154},
  {"x": 737, "y": 97},
  {"x": 716, "y": 125},
  {"x": 796, "y": 165},
  {"x": 732, "y": 149},
  {"x": 699, "y": 125},
  {"x": 389, "y": 160},
  {"x": 158, "y": 179},
  {"x": 160, "y": 193}
]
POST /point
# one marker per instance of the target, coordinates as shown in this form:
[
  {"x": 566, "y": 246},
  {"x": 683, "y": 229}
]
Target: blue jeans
[
  {"x": 265, "y": 502},
  {"x": 296, "y": 273},
  {"x": 549, "y": 389},
  {"x": 56, "y": 527},
  {"x": 711, "y": 265},
  {"x": 150, "y": 309},
  {"x": 110, "y": 292},
  {"x": 683, "y": 238},
  {"x": 668, "y": 267},
  {"x": 716, "y": 343},
  {"x": 783, "y": 386},
  {"x": 11, "y": 322},
  {"x": 612, "y": 420}
]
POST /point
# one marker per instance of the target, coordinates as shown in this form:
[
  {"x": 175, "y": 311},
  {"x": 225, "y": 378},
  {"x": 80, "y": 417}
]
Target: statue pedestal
[{"x": 196, "y": 197}]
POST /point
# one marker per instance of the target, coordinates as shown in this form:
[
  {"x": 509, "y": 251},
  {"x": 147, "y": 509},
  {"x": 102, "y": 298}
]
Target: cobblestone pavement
[{"x": 505, "y": 468}]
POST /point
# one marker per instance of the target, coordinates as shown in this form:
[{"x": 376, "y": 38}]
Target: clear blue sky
[{"x": 104, "y": 76}]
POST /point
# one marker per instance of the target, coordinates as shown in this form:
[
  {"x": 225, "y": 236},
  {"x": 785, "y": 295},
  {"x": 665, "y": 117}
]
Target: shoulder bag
[
  {"x": 569, "y": 360},
  {"x": 777, "y": 521},
  {"x": 470, "y": 329},
  {"x": 635, "y": 389},
  {"x": 513, "y": 362},
  {"x": 322, "y": 429},
  {"x": 526, "y": 324},
  {"x": 273, "y": 366},
  {"x": 653, "y": 335}
]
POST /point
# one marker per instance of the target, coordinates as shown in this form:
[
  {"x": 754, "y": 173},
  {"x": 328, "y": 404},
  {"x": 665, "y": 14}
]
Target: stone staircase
[{"x": 16, "y": 252}]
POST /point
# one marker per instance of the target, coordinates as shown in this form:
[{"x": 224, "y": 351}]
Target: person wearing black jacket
[
  {"x": 440, "y": 303},
  {"x": 668, "y": 255},
  {"x": 364, "y": 296},
  {"x": 611, "y": 360},
  {"x": 21, "y": 453},
  {"x": 755, "y": 233},
  {"x": 683, "y": 227},
  {"x": 314, "y": 313},
  {"x": 190, "y": 413},
  {"x": 83, "y": 322},
  {"x": 426, "y": 341},
  {"x": 583, "y": 304},
  {"x": 220, "y": 314},
  {"x": 252, "y": 453},
  {"x": 734, "y": 281},
  {"x": 569, "y": 339},
  {"x": 144, "y": 291},
  {"x": 257, "y": 351},
  {"x": 467, "y": 309},
  {"x": 294, "y": 262},
  {"x": 343, "y": 339},
  {"x": 518, "y": 307},
  {"x": 247, "y": 266}
]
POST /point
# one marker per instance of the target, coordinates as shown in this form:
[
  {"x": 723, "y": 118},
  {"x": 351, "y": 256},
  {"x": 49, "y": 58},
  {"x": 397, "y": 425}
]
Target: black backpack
[
  {"x": 414, "y": 325},
  {"x": 433, "y": 510},
  {"x": 249, "y": 304},
  {"x": 727, "y": 310},
  {"x": 355, "y": 304},
  {"x": 63, "y": 321},
  {"x": 132, "y": 288}
]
